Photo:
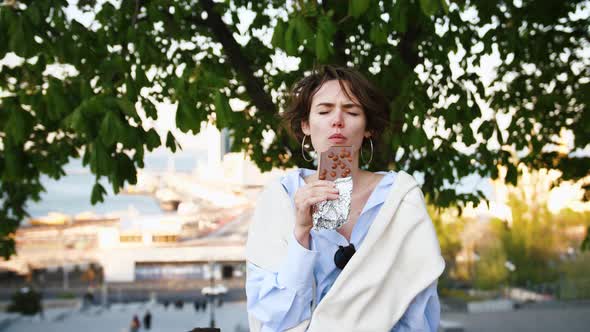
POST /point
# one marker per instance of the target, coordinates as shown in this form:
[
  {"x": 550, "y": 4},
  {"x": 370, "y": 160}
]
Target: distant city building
[{"x": 209, "y": 223}]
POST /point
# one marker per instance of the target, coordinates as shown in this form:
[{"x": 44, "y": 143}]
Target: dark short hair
[{"x": 372, "y": 100}]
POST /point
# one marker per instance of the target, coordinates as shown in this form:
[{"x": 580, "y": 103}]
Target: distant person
[
  {"x": 135, "y": 324},
  {"x": 204, "y": 305},
  {"x": 376, "y": 272},
  {"x": 147, "y": 320}
]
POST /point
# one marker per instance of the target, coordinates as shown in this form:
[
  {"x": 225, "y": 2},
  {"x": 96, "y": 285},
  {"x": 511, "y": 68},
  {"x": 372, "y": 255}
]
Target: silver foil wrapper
[{"x": 331, "y": 214}]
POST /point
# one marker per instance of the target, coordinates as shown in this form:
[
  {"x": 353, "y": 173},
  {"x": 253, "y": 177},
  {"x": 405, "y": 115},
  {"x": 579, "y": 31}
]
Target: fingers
[
  {"x": 304, "y": 200},
  {"x": 319, "y": 186},
  {"x": 320, "y": 190},
  {"x": 322, "y": 183},
  {"x": 311, "y": 194},
  {"x": 311, "y": 200}
]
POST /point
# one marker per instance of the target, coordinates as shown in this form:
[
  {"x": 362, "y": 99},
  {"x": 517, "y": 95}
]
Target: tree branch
[
  {"x": 407, "y": 47},
  {"x": 254, "y": 85},
  {"x": 339, "y": 57}
]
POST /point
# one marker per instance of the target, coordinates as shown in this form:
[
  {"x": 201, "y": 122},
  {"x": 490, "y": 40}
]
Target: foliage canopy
[{"x": 121, "y": 59}]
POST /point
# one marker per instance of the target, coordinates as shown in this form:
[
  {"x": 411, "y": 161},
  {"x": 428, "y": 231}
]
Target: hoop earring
[
  {"x": 303, "y": 149},
  {"x": 370, "y": 158}
]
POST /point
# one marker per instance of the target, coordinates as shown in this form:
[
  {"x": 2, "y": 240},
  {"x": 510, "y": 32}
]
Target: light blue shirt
[{"x": 282, "y": 300}]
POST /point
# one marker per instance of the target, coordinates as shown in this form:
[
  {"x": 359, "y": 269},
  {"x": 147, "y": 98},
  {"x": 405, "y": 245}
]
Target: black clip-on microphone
[{"x": 343, "y": 255}]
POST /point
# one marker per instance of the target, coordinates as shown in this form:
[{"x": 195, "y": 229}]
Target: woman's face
[{"x": 335, "y": 119}]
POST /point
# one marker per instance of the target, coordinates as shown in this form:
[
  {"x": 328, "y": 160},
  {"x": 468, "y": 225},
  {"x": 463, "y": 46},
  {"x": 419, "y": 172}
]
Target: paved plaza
[
  {"x": 558, "y": 319},
  {"x": 231, "y": 317}
]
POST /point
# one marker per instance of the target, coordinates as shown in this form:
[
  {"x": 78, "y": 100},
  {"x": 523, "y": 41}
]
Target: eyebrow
[{"x": 346, "y": 105}]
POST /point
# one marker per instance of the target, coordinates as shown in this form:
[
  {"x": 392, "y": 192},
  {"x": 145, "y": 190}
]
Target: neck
[{"x": 355, "y": 170}]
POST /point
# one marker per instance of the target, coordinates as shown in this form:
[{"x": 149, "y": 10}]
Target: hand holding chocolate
[{"x": 335, "y": 165}]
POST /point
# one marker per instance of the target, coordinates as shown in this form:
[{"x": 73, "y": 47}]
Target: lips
[{"x": 337, "y": 136}]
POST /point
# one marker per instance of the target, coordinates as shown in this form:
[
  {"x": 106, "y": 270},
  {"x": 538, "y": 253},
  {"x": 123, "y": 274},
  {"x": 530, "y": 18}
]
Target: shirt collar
[{"x": 380, "y": 192}]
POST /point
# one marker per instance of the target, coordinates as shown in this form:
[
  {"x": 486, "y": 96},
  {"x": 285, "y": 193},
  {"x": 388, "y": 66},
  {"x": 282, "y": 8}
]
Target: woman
[
  {"x": 293, "y": 282},
  {"x": 135, "y": 325}
]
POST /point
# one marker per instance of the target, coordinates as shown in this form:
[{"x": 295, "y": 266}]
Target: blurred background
[{"x": 136, "y": 135}]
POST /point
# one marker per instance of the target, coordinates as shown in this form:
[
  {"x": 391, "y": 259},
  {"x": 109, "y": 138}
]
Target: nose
[{"x": 338, "y": 121}]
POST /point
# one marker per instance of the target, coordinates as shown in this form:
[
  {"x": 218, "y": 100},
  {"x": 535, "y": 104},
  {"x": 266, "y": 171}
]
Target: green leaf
[
  {"x": 417, "y": 137},
  {"x": 486, "y": 129},
  {"x": 180, "y": 86},
  {"x": 325, "y": 34},
  {"x": 33, "y": 13},
  {"x": 326, "y": 24},
  {"x": 131, "y": 33},
  {"x": 4, "y": 39},
  {"x": 171, "y": 142},
  {"x": 98, "y": 193},
  {"x": 150, "y": 109},
  {"x": 278, "y": 36},
  {"x": 85, "y": 89},
  {"x": 132, "y": 91},
  {"x": 14, "y": 159},
  {"x": 511, "y": 174},
  {"x": 223, "y": 111},
  {"x": 322, "y": 47},
  {"x": 468, "y": 138},
  {"x": 290, "y": 39},
  {"x": 378, "y": 35},
  {"x": 125, "y": 171},
  {"x": 57, "y": 101},
  {"x": 445, "y": 6},
  {"x": 140, "y": 77},
  {"x": 399, "y": 19},
  {"x": 111, "y": 129},
  {"x": 187, "y": 118},
  {"x": 127, "y": 107},
  {"x": 357, "y": 8},
  {"x": 17, "y": 35},
  {"x": 19, "y": 125},
  {"x": 100, "y": 162},
  {"x": 131, "y": 138},
  {"x": 429, "y": 7},
  {"x": 76, "y": 121},
  {"x": 303, "y": 30},
  {"x": 152, "y": 139},
  {"x": 138, "y": 156}
]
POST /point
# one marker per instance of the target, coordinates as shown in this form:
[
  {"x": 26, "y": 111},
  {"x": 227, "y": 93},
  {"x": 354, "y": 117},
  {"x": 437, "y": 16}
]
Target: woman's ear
[
  {"x": 368, "y": 134},
  {"x": 305, "y": 127}
]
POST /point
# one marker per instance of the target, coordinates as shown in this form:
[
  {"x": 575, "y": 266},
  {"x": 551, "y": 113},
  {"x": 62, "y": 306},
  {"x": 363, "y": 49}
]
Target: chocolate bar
[{"x": 335, "y": 163}]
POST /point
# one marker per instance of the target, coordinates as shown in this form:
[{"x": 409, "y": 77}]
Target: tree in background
[
  {"x": 449, "y": 226},
  {"x": 535, "y": 243},
  {"x": 90, "y": 73},
  {"x": 535, "y": 238},
  {"x": 575, "y": 283},
  {"x": 490, "y": 268}
]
